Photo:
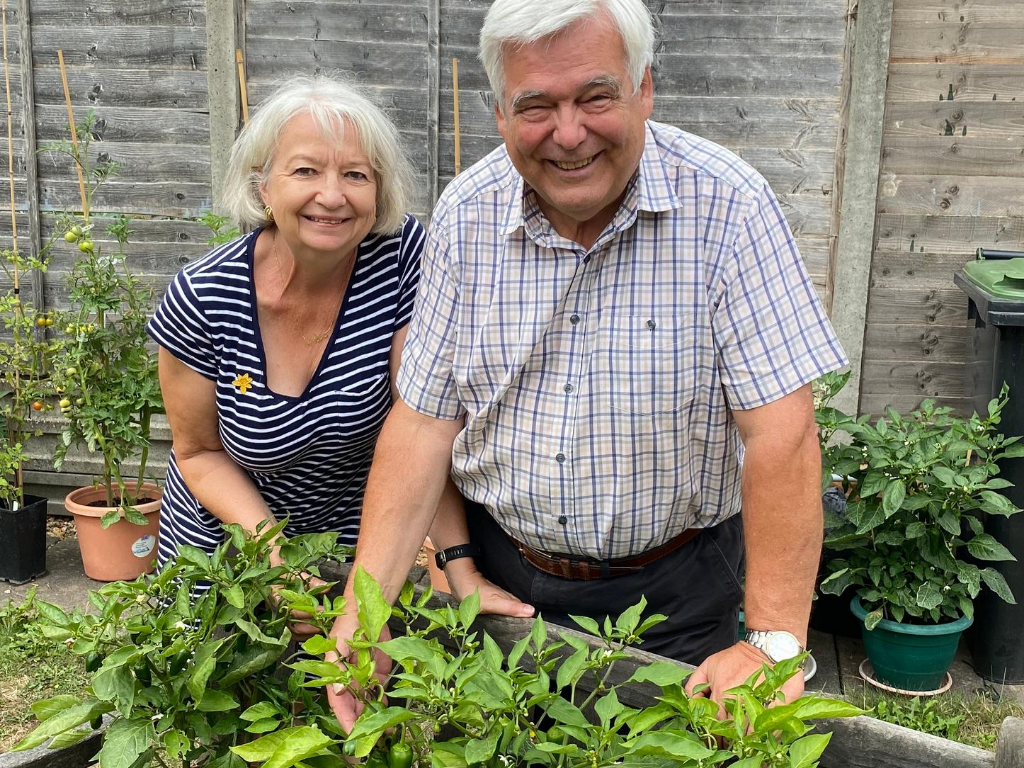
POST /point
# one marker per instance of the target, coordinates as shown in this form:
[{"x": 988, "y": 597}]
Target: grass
[
  {"x": 32, "y": 667},
  {"x": 972, "y": 719}
]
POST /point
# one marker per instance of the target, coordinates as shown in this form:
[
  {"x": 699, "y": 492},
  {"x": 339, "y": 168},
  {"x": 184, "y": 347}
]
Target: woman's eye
[
  {"x": 357, "y": 175},
  {"x": 304, "y": 172}
]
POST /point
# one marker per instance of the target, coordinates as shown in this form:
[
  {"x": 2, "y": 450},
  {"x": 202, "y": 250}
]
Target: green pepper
[
  {"x": 400, "y": 755},
  {"x": 93, "y": 661},
  {"x": 349, "y": 748}
]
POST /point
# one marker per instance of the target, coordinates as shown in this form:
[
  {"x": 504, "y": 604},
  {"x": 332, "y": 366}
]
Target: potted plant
[
  {"x": 913, "y": 535},
  {"x": 196, "y": 681},
  {"x": 105, "y": 374},
  {"x": 25, "y": 354}
]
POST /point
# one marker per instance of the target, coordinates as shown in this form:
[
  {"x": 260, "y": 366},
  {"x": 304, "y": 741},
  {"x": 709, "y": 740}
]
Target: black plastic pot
[{"x": 23, "y": 541}]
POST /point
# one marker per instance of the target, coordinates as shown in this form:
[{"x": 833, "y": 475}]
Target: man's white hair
[
  {"x": 334, "y": 105},
  {"x": 521, "y": 22}
]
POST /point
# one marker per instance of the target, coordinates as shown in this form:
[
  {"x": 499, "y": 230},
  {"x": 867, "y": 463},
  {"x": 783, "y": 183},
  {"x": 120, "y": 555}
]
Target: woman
[{"x": 278, "y": 351}]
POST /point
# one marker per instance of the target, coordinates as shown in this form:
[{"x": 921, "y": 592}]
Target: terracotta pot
[
  {"x": 124, "y": 550},
  {"x": 438, "y": 581}
]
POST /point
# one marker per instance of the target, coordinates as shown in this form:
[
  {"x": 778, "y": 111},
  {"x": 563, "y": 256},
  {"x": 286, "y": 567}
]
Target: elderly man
[{"x": 611, "y": 352}]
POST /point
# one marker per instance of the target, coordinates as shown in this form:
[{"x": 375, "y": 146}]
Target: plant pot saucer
[
  {"x": 810, "y": 668},
  {"x": 867, "y": 673}
]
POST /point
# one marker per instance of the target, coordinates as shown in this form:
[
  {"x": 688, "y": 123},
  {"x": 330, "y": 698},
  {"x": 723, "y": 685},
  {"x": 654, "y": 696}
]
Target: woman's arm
[{"x": 212, "y": 476}]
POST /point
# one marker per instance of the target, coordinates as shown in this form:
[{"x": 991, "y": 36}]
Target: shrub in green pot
[{"x": 912, "y": 545}]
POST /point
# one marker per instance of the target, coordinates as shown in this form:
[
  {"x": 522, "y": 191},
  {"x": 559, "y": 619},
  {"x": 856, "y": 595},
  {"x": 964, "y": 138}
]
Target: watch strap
[{"x": 445, "y": 556}]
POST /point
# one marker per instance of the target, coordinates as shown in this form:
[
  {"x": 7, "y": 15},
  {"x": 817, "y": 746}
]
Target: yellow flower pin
[{"x": 243, "y": 381}]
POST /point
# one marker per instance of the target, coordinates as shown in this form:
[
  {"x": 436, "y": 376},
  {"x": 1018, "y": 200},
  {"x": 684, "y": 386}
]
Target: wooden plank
[
  {"x": 663, "y": 11},
  {"x": 959, "y": 235},
  {"x": 952, "y": 155},
  {"x": 159, "y": 198},
  {"x": 163, "y": 88},
  {"x": 876, "y": 404},
  {"x": 222, "y": 88},
  {"x": 144, "y": 163},
  {"x": 1009, "y": 12},
  {"x": 852, "y": 263},
  {"x": 162, "y": 230},
  {"x": 398, "y": 63},
  {"x": 30, "y": 158},
  {"x": 951, "y": 195},
  {"x": 110, "y": 47},
  {"x": 970, "y": 82},
  {"x": 924, "y": 379},
  {"x": 131, "y": 124},
  {"x": 930, "y": 41},
  {"x": 917, "y": 306},
  {"x": 58, "y": 13},
  {"x": 915, "y": 342},
  {"x": 863, "y": 742},
  {"x": 312, "y": 20},
  {"x": 980, "y": 118},
  {"x": 892, "y": 269}
]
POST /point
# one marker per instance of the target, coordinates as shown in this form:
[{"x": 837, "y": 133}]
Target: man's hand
[
  {"x": 345, "y": 704},
  {"x": 730, "y": 668},
  {"x": 464, "y": 579}
]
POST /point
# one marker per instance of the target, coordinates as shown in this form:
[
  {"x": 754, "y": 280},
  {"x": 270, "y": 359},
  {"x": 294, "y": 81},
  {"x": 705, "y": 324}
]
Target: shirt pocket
[{"x": 639, "y": 363}]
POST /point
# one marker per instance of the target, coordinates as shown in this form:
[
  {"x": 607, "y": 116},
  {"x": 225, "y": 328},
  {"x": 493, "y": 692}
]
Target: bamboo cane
[
  {"x": 243, "y": 91},
  {"x": 19, "y": 311},
  {"x": 74, "y": 136},
  {"x": 455, "y": 98}
]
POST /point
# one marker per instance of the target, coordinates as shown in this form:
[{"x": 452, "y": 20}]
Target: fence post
[
  {"x": 433, "y": 99},
  {"x": 850, "y": 267},
  {"x": 28, "y": 105},
  {"x": 1010, "y": 744},
  {"x": 224, "y": 34}
]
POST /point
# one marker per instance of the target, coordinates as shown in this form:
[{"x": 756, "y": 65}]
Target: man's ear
[
  {"x": 499, "y": 117},
  {"x": 646, "y": 93}
]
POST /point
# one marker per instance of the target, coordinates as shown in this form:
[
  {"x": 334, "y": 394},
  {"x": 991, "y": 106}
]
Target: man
[{"x": 611, "y": 311}]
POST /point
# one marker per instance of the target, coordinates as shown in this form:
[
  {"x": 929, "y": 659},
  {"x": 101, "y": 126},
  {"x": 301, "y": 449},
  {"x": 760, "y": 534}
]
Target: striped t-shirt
[{"x": 309, "y": 456}]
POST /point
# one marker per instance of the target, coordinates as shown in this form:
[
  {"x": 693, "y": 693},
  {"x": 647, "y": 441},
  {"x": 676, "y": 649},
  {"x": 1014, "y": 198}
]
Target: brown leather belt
[{"x": 589, "y": 570}]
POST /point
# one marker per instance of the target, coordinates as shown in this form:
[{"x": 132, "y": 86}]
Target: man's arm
[{"x": 782, "y": 525}]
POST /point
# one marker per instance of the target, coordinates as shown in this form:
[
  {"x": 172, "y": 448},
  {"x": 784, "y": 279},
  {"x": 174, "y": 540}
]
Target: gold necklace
[{"x": 320, "y": 336}]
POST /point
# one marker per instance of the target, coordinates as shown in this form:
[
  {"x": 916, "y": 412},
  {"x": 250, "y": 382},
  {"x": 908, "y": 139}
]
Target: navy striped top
[{"x": 309, "y": 456}]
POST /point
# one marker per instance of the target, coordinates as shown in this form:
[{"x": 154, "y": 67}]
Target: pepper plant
[
  {"x": 105, "y": 372},
  {"x": 916, "y": 485}
]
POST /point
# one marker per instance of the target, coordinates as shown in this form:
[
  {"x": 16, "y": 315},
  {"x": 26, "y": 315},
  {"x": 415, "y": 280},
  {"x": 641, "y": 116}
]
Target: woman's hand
[
  {"x": 345, "y": 702},
  {"x": 298, "y": 623},
  {"x": 464, "y": 579}
]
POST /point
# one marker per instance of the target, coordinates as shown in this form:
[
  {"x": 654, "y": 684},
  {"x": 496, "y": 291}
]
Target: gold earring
[{"x": 268, "y": 212}]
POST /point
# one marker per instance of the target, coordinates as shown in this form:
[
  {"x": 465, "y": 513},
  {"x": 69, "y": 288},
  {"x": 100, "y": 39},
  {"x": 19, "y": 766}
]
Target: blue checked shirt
[{"x": 597, "y": 385}]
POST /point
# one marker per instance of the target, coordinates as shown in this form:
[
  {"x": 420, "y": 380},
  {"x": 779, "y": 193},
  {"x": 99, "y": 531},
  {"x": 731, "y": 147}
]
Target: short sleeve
[
  {"x": 180, "y": 327},
  {"x": 425, "y": 380},
  {"x": 772, "y": 335},
  {"x": 410, "y": 251}
]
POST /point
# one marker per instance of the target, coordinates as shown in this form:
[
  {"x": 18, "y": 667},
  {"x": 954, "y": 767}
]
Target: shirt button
[
  {"x": 562, "y": 519},
  {"x": 568, "y": 387},
  {"x": 560, "y": 458},
  {"x": 651, "y": 324},
  {"x": 574, "y": 319}
]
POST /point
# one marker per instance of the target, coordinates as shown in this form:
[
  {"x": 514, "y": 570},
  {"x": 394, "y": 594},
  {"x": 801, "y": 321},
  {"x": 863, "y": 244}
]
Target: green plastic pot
[
  {"x": 911, "y": 657},
  {"x": 741, "y": 630}
]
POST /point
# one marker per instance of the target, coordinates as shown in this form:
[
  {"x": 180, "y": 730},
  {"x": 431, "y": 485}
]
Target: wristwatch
[
  {"x": 445, "y": 556},
  {"x": 776, "y": 645}
]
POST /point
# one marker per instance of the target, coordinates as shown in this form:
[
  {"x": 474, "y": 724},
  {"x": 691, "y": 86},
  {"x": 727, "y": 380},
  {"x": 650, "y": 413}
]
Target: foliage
[
  {"x": 916, "y": 484},
  {"x": 105, "y": 373},
  {"x": 31, "y": 666},
  {"x": 25, "y": 355},
  {"x": 186, "y": 659},
  {"x": 220, "y": 231},
  {"x": 455, "y": 699}
]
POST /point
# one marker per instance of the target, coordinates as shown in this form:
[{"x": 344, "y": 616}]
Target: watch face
[{"x": 782, "y": 645}]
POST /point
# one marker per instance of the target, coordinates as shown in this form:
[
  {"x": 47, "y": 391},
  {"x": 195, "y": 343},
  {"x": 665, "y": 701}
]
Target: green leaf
[
  {"x": 569, "y": 671},
  {"x": 482, "y": 750},
  {"x": 249, "y": 662},
  {"x": 318, "y": 645},
  {"x": 872, "y": 619},
  {"x": 661, "y": 673},
  {"x": 115, "y": 684},
  {"x": 260, "y": 711},
  {"x": 405, "y": 648},
  {"x": 949, "y": 522},
  {"x": 265, "y": 725},
  {"x": 892, "y": 499},
  {"x": 587, "y": 624},
  {"x": 915, "y": 530},
  {"x": 374, "y": 610},
  {"x": 176, "y": 743},
  {"x": 235, "y": 596},
  {"x": 874, "y": 515},
  {"x": 203, "y": 666},
  {"x": 124, "y": 741},
  {"x": 468, "y": 610},
  {"x": 945, "y": 476},
  {"x": 286, "y": 748},
  {"x": 985, "y": 547},
  {"x": 671, "y": 745},
  {"x": 817, "y": 708},
  {"x": 994, "y": 580},
  {"x": 217, "y": 701},
  {"x": 629, "y": 619},
  {"x": 608, "y": 707},
  {"x": 368, "y": 728},
  {"x": 566, "y": 712},
  {"x": 64, "y": 721},
  {"x": 804, "y": 752},
  {"x": 68, "y": 738},
  {"x": 929, "y": 596},
  {"x": 47, "y": 708},
  {"x": 257, "y": 635}
]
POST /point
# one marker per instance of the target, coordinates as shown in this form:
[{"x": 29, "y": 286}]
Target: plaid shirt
[{"x": 597, "y": 385}]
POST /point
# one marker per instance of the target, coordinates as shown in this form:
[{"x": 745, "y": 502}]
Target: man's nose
[{"x": 569, "y": 129}]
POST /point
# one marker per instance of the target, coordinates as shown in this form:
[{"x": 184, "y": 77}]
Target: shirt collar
[{"x": 650, "y": 189}]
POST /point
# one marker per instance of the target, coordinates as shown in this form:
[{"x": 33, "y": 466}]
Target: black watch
[{"x": 445, "y": 556}]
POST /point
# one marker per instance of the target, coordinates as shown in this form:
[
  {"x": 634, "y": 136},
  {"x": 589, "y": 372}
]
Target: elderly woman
[{"x": 278, "y": 351}]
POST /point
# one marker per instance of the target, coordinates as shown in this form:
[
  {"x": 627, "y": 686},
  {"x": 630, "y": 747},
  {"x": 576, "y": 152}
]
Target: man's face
[{"x": 572, "y": 125}]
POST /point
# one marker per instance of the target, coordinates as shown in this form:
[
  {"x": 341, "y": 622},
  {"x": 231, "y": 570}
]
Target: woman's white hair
[
  {"x": 521, "y": 22},
  {"x": 334, "y": 105}
]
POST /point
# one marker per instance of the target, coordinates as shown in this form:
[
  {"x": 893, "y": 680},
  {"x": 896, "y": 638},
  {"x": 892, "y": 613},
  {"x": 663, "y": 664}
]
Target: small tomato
[
  {"x": 65, "y": 403},
  {"x": 37, "y": 405}
]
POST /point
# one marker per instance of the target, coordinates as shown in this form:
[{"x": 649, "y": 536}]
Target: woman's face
[{"x": 324, "y": 196}]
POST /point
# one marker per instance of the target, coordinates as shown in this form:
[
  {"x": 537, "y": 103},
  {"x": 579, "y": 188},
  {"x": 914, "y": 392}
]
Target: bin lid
[{"x": 999, "y": 278}]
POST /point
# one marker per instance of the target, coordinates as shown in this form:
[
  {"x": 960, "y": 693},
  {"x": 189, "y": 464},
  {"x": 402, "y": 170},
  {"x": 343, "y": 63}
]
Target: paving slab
[{"x": 64, "y": 583}]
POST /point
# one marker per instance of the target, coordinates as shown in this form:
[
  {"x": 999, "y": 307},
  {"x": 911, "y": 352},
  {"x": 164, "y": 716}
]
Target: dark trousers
[{"x": 697, "y": 587}]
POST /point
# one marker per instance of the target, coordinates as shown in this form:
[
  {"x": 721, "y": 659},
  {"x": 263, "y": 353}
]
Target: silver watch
[{"x": 777, "y": 645}]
